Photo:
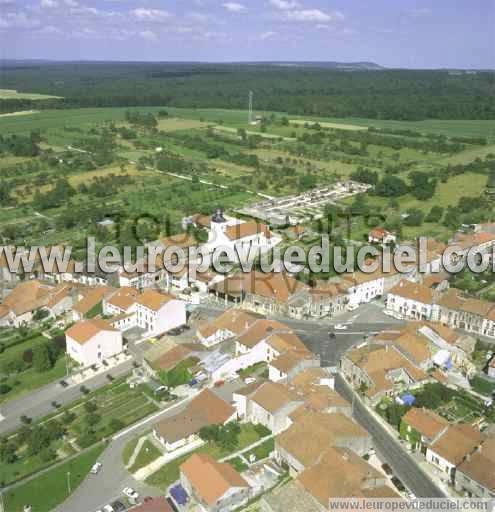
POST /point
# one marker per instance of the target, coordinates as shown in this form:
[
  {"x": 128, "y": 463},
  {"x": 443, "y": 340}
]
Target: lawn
[
  {"x": 15, "y": 342},
  {"x": 256, "y": 368},
  {"x": 30, "y": 380},
  {"x": 148, "y": 453},
  {"x": 261, "y": 451},
  {"x": 483, "y": 386},
  {"x": 129, "y": 450},
  {"x": 49, "y": 489}
]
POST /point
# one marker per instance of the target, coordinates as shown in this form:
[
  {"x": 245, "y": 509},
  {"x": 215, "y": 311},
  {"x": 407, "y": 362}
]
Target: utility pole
[{"x": 68, "y": 483}]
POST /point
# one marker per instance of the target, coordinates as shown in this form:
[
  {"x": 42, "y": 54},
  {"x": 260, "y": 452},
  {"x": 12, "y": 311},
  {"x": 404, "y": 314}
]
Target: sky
[{"x": 392, "y": 33}]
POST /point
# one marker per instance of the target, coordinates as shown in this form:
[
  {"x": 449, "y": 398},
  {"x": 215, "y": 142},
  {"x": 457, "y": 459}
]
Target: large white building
[
  {"x": 158, "y": 313},
  {"x": 235, "y": 233},
  {"x": 90, "y": 342}
]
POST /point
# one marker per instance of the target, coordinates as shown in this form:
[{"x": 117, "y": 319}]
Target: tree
[
  {"x": 41, "y": 358},
  {"x": 92, "y": 419},
  {"x": 435, "y": 214},
  {"x": 414, "y": 217},
  {"x": 209, "y": 433},
  {"x": 90, "y": 406},
  {"x": 391, "y": 186},
  {"x": 8, "y": 452}
]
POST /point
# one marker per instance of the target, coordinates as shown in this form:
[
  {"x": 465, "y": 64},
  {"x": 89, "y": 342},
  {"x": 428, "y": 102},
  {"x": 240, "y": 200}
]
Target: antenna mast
[{"x": 250, "y": 115}]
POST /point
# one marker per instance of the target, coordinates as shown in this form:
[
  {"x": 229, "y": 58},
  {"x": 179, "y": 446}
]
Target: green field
[
  {"x": 12, "y": 94},
  {"x": 49, "y": 489},
  {"x": 236, "y": 118}
]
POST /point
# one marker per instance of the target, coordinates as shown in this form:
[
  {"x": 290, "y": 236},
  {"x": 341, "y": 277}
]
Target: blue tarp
[
  {"x": 179, "y": 494},
  {"x": 408, "y": 399}
]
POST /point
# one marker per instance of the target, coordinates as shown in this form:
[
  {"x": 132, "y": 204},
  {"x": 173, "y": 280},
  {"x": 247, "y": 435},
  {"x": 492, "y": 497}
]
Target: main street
[{"x": 401, "y": 462}]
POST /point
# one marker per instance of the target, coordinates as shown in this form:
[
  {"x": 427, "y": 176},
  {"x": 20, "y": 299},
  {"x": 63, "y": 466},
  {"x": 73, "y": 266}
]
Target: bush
[
  {"x": 87, "y": 439},
  {"x": 47, "y": 454},
  {"x": 90, "y": 406},
  {"x": 115, "y": 424},
  {"x": 92, "y": 419},
  {"x": 261, "y": 430},
  {"x": 4, "y": 389}
]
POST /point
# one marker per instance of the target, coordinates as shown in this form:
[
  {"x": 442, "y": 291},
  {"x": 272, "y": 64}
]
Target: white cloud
[
  {"x": 313, "y": 15},
  {"x": 154, "y": 15},
  {"x": 284, "y": 5},
  {"x": 48, "y": 4},
  {"x": 50, "y": 30},
  {"x": 148, "y": 35},
  {"x": 234, "y": 7},
  {"x": 267, "y": 35},
  {"x": 71, "y": 3},
  {"x": 419, "y": 12},
  {"x": 18, "y": 20}
]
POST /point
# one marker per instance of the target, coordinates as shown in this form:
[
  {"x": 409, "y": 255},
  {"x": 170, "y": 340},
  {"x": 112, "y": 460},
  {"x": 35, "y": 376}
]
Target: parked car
[
  {"x": 352, "y": 307},
  {"x": 96, "y": 468},
  {"x": 219, "y": 383},
  {"x": 64, "y": 383},
  {"x": 130, "y": 493},
  {"x": 249, "y": 380},
  {"x": 341, "y": 327},
  {"x": 387, "y": 469},
  {"x": 118, "y": 506},
  {"x": 331, "y": 334},
  {"x": 398, "y": 484},
  {"x": 108, "y": 508}
]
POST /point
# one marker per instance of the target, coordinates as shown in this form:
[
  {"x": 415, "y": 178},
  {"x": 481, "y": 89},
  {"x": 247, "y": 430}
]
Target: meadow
[{"x": 217, "y": 166}]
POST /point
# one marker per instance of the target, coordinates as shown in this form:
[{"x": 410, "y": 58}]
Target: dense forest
[{"x": 380, "y": 94}]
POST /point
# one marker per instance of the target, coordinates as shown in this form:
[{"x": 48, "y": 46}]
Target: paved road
[
  {"x": 39, "y": 402},
  {"x": 368, "y": 319},
  {"x": 402, "y": 463}
]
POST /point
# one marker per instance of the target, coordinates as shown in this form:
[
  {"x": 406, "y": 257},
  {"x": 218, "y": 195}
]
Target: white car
[
  {"x": 341, "y": 327},
  {"x": 96, "y": 468},
  {"x": 130, "y": 493},
  {"x": 249, "y": 380},
  {"x": 108, "y": 508},
  {"x": 352, "y": 307}
]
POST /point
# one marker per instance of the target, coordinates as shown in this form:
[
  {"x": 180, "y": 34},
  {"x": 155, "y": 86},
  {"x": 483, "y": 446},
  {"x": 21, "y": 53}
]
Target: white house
[
  {"x": 412, "y": 301},
  {"x": 271, "y": 405},
  {"x": 229, "y": 324},
  {"x": 158, "y": 313},
  {"x": 215, "y": 486},
  {"x": 122, "y": 301},
  {"x": 90, "y": 342},
  {"x": 235, "y": 233},
  {"x": 453, "y": 446},
  {"x": 491, "y": 368},
  {"x": 381, "y": 236}
]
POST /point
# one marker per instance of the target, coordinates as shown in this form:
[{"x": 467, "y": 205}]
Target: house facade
[{"x": 90, "y": 342}]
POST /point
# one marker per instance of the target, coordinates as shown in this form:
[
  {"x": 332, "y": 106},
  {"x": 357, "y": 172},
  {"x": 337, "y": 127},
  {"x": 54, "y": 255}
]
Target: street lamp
[{"x": 68, "y": 482}]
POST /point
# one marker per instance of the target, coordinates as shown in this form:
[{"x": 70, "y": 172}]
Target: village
[{"x": 231, "y": 407}]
